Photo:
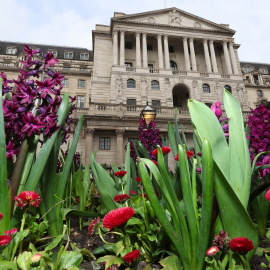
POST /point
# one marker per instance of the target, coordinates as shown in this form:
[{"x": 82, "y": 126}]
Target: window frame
[
  {"x": 54, "y": 52},
  {"x": 228, "y": 86},
  {"x": 104, "y": 145},
  {"x": 204, "y": 88},
  {"x": 131, "y": 83},
  {"x": 131, "y": 104},
  {"x": 128, "y": 45},
  {"x": 173, "y": 65},
  {"x": 65, "y": 81},
  {"x": 80, "y": 101},
  {"x": 81, "y": 83},
  {"x": 85, "y": 54},
  {"x": 13, "y": 50},
  {"x": 261, "y": 93},
  {"x": 69, "y": 53},
  {"x": 155, "y": 85}
]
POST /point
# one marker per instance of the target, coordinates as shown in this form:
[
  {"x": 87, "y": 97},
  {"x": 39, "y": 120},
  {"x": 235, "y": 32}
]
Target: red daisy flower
[
  {"x": 121, "y": 198},
  {"x": 267, "y": 195},
  {"x": 120, "y": 173},
  {"x": 92, "y": 225},
  {"x": 138, "y": 179},
  {"x": 117, "y": 217},
  {"x": 241, "y": 244},
  {"x": 131, "y": 256},
  {"x": 132, "y": 192},
  {"x": 4, "y": 240},
  {"x": 27, "y": 197},
  {"x": 1, "y": 216},
  {"x": 189, "y": 155},
  {"x": 11, "y": 232},
  {"x": 165, "y": 150},
  {"x": 212, "y": 251}
]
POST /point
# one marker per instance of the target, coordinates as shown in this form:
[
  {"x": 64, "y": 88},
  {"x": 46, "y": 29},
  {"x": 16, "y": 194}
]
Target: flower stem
[
  {"x": 21, "y": 229},
  {"x": 247, "y": 262},
  {"x": 101, "y": 237}
]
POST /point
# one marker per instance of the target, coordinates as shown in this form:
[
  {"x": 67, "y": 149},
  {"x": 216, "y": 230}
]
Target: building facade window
[
  {"x": 208, "y": 104},
  {"x": 84, "y": 56},
  {"x": 80, "y": 101},
  {"x": 156, "y": 103},
  {"x": 81, "y": 83},
  {"x": 171, "y": 49},
  {"x": 259, "y": 93},
  {"x": 66, "y": 68},
  {"x": 149, "y": 47},
  {"x": 65, "y": 82},
  {"x": 55, "y": 53},
  {"x": 11, "y": 50},
  {"x": 155, "y": 85},
  {"x": 6, "y": 64},
  {"x": 128, "y": 45},
  {"x": 173, "y": 65},
  {"x": 128, "y": 64},
  {"x": 104, "y": 143},
  {"x": 131, "y": 105},
  {"x": 228, "y": 88},
  {"x": 68, "y": 55},
  {"x": 206, "y": 88},
  {"x": 264, "y": 70},
  {"x": 131, "y": 83}
]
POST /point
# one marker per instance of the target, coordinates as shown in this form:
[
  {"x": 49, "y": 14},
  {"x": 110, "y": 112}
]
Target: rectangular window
[
  {"x": 80, "y": 101},
  {"x": 6, "y": 64},
  {"x": 66, "y": 68},
  {"x": 156, "y": 103},
  {"x": 81, "y": 83},
  {"x": 83, "y": 69},
  {"x": 68, "y": 55},
  {"x": 149, "y": 47},
  {"x": 11, "y": 50},
  {"x": 127, "y": 64},
  {"x": 65, "y": 82},
  {"x": 150, "y": 66},
  {"x": 131, "y": 105},
  {"x": 104, "y": 143},
  {"x": 171, "y": 49},
  {"x": 128, "y": 45},
  {"x": 84, "y": 56}
]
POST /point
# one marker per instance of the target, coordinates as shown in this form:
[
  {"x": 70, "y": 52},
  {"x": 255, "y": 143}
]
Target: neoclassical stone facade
[{"x": 162, "y": 57}]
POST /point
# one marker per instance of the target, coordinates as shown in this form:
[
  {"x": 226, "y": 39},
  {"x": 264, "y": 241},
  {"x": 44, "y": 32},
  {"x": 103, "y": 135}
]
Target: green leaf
[
  {"x": 54, "y": 243},
  {"x": 17, "y": 239},
  {"x": 69, "y": 259},
  {"x": 126, "y": 178},
  {"x": 118, "y": 247},
  {"x": 239, "y": 153},
  {"x": 142, "y": 149},
  {"x": 4, "y": 194},
  {"x": 110, "y": 260},
  {"x": 105, "y": 184},
  {"x": 172, "y": 138},
  {"x": 171, "y": 263},
  {"x": 24, "y": 260},
  {"x": 4, "y": 265}
]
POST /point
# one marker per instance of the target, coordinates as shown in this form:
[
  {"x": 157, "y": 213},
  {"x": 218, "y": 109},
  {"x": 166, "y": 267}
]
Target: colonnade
[{"x": 164, "y": 56}]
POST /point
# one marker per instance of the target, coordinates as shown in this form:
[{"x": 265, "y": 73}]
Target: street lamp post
[{"x": 148, "y": 114}]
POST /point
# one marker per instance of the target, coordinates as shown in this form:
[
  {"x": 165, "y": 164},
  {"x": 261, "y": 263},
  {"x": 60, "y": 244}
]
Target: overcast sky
[{"x": 70, "y": 22}]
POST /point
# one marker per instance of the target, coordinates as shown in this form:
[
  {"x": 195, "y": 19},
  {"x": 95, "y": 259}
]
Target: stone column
[
  {"x": 227, "y": 58},
  {"x": 234, "y": 65},
  {"x": 207, "y": 57},
  {"x": 186, "y": 54},
  {"x": 122, "y": 48},
  {"x": 166, "y": 52},
  {"x": 160, "y": 53},
  {"x": 213, "y": 56},
  {"x": 120, "y": 146},
  {"x": 138, "y": 50},
  {"x": 193, "y": 57},
  {"x": 115, "y": 47},
  {"x": 88, "y": 144},
  {"x": 144, "y": 45}
]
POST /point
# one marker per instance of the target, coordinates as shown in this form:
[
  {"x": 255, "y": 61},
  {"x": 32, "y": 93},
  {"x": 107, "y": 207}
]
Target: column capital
[
  {"x": 225, "y": 41},
  {"x": 89, "y": 131},
  {"x": 144, "y": 33},
  {"x": 120, "y": 132},
  {"x": 211, "y": 41},
  {"x": 122, "y": 32},
  {"x": 185, "y": 38},
  {"x": 159, "y": 35},
  {"x": 138, "y": 33},
  {"x": 191, "y": 39},
  {"x": 166, "y": 35},
  {"x": 115, "y": 31},
  {"x": 205, "y": 40}
]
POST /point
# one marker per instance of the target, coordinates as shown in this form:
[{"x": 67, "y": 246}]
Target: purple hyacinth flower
[
  {"x": 45, "y": 87},
  {"x": 50, "y": 60},
  {"x": 199, "y": 170},
  {"x": 32, "y": 124},
  {"x": 33, "y": 73},
  {"x": 30, "y": 52}
]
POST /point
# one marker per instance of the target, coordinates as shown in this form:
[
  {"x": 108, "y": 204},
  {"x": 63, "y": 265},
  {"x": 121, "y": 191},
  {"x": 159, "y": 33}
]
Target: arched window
[
  {"x": 228, "y": 88},
  {"x": 131, "y": 83},
  {"x": 259, "y": 93},
  {"x": 173, "y": 65},
  {"x": 155, "y": 85},
  {"x": 206, "y": 88}
]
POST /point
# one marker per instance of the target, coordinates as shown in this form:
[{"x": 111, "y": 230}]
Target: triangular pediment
[{"x": 172, "y": 17}]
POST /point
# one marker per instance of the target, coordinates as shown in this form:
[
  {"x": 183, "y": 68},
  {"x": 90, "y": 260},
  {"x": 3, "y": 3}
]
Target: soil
[{"x": 82, "y": 240}]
